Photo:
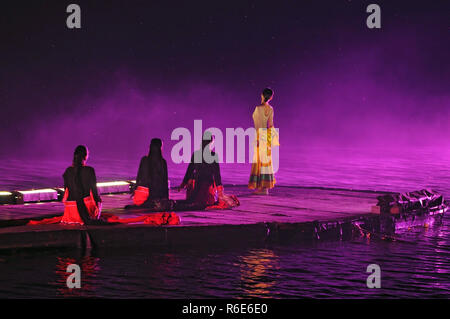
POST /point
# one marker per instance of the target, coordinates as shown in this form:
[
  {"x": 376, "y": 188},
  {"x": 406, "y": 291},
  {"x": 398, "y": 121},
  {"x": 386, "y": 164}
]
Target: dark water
[{"x": 416, "y": 265}]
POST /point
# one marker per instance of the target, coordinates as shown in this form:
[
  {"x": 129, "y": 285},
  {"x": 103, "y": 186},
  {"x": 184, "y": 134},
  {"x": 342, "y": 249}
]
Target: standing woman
[
  {"x": 261, "y": 177},
  {"x": 82, "y": 203}
]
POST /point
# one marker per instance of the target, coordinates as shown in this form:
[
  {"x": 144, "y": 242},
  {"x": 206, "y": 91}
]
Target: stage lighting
[
  {"x": 113, "y": 187},
  {"x": 7, "y": 198},
  {"x": 37, "y": 195}
]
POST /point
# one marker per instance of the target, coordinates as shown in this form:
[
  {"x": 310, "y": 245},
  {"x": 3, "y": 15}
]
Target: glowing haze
[{"x": 117, "y": 83}]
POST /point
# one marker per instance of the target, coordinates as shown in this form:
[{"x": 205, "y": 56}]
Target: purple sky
[{"x": 139, "y": 69}]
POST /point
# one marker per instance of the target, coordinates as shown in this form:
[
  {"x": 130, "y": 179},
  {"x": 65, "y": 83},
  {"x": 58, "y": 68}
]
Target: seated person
[
  {"x": 82, "y": 203},
  {"x": 152, "y": 189},
  {"x": 202, "y": 180}
]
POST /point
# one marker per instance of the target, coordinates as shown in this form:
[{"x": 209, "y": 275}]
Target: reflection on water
[
  {"x": 416, "y": 265},
  {"x": 89, "y": 268},
  {"x": 258, "y": 272},
  {"x": 164, "y": 269}
]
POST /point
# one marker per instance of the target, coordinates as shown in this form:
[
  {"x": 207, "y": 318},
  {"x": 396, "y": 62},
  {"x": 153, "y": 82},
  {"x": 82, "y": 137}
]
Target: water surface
[{"x": 416, "y": 265}]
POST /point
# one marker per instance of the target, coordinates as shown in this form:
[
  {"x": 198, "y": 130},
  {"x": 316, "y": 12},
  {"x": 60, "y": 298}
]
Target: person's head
[
  {"x": 208, "y": 140},
  {"x": 266, "y": 95},
  {"x": 80, "y": 155},
  {"x": 155, "y": 148}
]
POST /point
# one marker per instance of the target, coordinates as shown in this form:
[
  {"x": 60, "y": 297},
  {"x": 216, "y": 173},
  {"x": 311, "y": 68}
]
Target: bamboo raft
[{"x": 291, "y": 214}]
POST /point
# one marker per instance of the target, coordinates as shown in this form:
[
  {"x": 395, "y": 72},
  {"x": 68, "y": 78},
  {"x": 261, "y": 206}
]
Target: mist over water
[
  {"x": 346, "y": 111},
  {"x": 343, "y": 93},
  {"x": 345, "y": 100},
  {"x": 339, "y": 127}
]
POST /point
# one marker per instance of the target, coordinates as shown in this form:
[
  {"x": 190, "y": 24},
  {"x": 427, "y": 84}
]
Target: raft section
[{"x": 288, "y": 214}]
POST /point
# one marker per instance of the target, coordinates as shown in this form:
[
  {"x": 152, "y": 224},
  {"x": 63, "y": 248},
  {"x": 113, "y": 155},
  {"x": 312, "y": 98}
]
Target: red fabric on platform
[
  {"x": 46, "y": 221},
  {"x": 225, "y": 202},
  {"x": 140, "y": 195},
  {"x": 154, "y": 219},
  {"x": 162, "y": 219}
]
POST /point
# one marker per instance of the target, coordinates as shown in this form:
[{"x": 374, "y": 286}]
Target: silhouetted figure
[
  {"x": 202, "y": 179},
  {"x": 152, "y": 189},
  {"x": 152, "y": 172},
  {"x": 81, "y": 199}
]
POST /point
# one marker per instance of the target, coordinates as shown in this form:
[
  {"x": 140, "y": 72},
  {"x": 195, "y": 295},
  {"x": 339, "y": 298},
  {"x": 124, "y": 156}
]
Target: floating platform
[{"x": 287, "y": 214}]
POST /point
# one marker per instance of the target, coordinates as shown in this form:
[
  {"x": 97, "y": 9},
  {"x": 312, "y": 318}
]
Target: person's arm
[
  {"x": 141, "y": 172},
  {"x": 216, "y": 171},
  {"x": 165, "y": 180},
  {"x": 270, "y": 121},
  {"x": 66, "y": 186},
  {"x": 217, "y": 177},
  {"x": 189, "y": 173},
  {"x": 274, "y": 134},
  {"x": 65, "y": 179},
  {"x": 94, "y": 187}
]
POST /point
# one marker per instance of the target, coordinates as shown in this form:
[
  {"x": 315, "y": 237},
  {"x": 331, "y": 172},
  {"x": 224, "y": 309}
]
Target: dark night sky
[{"x": 142, "y": 68}]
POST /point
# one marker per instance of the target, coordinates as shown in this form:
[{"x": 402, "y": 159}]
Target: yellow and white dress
[{"x": 262, "y": 175}]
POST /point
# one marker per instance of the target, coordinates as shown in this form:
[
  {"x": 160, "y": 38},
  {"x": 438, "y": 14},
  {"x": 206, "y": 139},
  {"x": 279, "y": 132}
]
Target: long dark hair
[
  {"x": 79, "y": 155},
  {"x": 208, "y": 138},
  {"x": 155, "y": 157},
  {"x": 267, "y": 94}
]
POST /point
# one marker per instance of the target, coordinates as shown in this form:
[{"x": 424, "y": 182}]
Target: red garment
[
  {"x": 92, "y": 207},
  {"x": 206, "y": 195},
  {"x": 46, "y": 221},
  {"x": 202, "y": 194},
  {"x": 154, "y": 219},
  {"x": 71, "y": 214},
  {"x": 225, "y": 202},
  {"x": 140, "y": 195}
]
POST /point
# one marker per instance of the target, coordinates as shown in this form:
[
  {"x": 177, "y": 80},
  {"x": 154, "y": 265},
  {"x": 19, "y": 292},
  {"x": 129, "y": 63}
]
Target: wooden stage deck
[{"x": 287, "y": 211}]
